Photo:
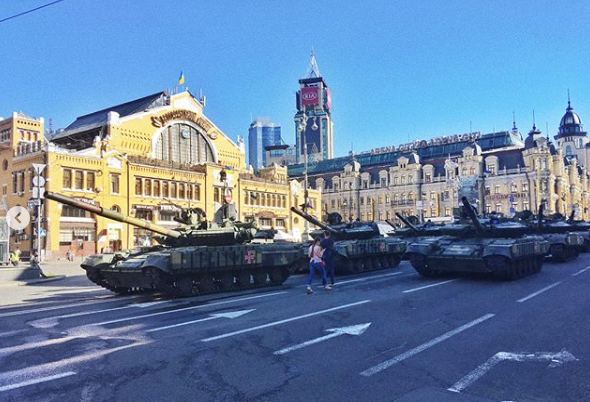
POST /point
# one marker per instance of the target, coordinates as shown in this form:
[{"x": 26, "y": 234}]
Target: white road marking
[
  {"x": 429, "y": 286},
  {"x": 579, "y": 272},
  {"x": 36, "y": 381},
  {"x": 137, "y": 317},
  {"x": 366, "y": 278},
  {"x": 59, "y": 307},
  {"x": 230, "y": 314},
  {"x": 556, "y": 359},
  {"x": 350, "y": 330},
  {"x": 53, "y": 321},
  {"x": 272, "y": 324},
  {"x": 388, "y": 363},
  {"x": 42, "y": 369},
  {"x": 538, "y": 292}
]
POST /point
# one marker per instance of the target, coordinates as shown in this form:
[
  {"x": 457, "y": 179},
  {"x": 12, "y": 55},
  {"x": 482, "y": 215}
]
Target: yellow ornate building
[{"x": 146, "y": 158}]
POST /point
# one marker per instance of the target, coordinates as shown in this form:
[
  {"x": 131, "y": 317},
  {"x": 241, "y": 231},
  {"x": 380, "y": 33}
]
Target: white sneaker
[
  {"x": 328, "y": 287},
  {"x": 309, "y": 290}
]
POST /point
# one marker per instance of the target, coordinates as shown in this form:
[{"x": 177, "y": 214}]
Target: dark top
[{"x": 327, "y": 245}]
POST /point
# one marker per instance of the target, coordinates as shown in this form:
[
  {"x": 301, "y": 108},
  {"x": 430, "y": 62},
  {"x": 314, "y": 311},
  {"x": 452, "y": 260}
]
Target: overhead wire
[{"x": 31, "y": 10}]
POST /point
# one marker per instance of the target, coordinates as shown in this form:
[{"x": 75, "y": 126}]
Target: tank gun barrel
[
  {"x": 406, "y": 222},
  {"x": 107, "y": 213},
  {"x": 471, "y": 213},
  {"x": 314, "y": 221}
]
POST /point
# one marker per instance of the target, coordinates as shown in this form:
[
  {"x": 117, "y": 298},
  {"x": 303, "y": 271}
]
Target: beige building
[
  {"x": 146, "y": 158},
  {"x": 498, "y": 172}
]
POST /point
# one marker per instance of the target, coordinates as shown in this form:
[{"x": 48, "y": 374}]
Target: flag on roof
[{"x": 181, "y": 79}]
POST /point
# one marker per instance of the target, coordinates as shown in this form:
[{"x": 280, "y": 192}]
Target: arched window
[
  {"x": 183, "y": 143},
  {"x": 568, "y": 150}
]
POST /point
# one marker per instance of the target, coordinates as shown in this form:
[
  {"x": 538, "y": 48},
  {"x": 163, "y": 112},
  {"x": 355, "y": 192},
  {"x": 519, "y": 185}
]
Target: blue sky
[{"x": 398, "y": 70}]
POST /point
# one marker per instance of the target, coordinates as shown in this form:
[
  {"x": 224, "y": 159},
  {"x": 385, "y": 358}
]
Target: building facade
[
  {"x": 498, "y": 172},
  {"x": 313, "y": 120},
  {"x": 262, "y": 134},
  {"x": 146, "y": 158}
]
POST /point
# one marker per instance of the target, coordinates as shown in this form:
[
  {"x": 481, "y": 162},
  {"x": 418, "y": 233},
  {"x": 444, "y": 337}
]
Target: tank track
[
  {"x": 498, "y": 266},
  {"x": 202, "y": 284},
  {"x": 368, "y": 263},
  {"x": 563, "y": 253},
  {"x": 95, "y": 277}
]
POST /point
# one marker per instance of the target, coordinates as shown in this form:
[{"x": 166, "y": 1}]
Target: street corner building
[
  {"x": 147, "y": 158},
  {"x": 498, "y": 172}
]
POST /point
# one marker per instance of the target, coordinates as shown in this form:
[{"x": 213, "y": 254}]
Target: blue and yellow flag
[{"x": 181, "y": 79}]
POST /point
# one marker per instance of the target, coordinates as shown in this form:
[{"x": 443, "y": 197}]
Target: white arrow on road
[
  {"x": 351, "y": 330},
  {"x": 556, "y": 359},
  {"x": 230, "y": 314}
]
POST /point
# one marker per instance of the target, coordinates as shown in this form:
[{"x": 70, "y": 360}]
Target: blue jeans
[
  {"x": 313, "y": 267},
  {"x": 330, "y": 267}
]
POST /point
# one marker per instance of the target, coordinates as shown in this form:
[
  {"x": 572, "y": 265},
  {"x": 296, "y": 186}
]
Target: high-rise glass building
[{"x": 262, "y": 133}]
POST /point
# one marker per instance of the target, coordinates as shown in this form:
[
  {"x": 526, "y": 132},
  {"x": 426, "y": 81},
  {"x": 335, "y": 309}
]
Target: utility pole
[{"x": 39, "y": 189}]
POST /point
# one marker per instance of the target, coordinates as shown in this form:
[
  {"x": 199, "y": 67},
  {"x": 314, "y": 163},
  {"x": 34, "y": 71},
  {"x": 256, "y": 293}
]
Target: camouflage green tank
[
  {"x": 508, "y": 251},
  {"x": 197, "y": 258},
  {"x": 359, "y": 246}
]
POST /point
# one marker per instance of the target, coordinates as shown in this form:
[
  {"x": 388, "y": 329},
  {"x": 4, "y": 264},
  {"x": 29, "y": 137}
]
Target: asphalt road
[{"x": 385, "y": 336}]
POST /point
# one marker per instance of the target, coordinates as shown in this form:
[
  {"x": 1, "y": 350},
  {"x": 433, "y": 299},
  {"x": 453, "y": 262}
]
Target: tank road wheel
[
  {"x": 420, "y": 264},
  {"x": 226, "y": 281},
  {"x": 259, "y": 277},
  {"x": 558, "y": 252},
  {"x": 243, "y": 277},
  {"x": 348, "y": 266},
  {"x": 393, "y": 260},
  {"x": 278, "y": 276},
  {"x": 206, "y": 284},
  {"x": 502, "y": 268},
  {"x": 184, "y": 286},
  {"x": 384, "y": 262}
]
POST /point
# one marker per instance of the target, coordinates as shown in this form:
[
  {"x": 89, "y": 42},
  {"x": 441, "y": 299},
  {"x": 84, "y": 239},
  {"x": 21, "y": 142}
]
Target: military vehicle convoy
[
  {"x": 505, "y": 252},
  {"x": 359, "y": 246},
  {"x": 197, "y": 258}
]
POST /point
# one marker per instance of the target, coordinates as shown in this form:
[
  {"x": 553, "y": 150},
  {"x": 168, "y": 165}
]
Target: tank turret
[
  {"x": 349, "y": 231},
  {"x": 195, "y": 230},
  {"x": 406, "y": 222}
]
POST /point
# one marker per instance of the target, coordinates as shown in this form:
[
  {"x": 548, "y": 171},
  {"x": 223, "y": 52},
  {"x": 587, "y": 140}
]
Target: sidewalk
[{"x": 55, "y": 270}]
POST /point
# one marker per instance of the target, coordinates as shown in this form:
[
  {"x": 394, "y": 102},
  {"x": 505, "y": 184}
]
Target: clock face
[{"x": 185, "y": 134}]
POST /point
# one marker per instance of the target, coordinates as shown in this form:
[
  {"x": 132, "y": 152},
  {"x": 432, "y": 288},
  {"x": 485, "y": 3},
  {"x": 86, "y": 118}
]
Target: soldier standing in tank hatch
[{"x": 329, "y": 255}]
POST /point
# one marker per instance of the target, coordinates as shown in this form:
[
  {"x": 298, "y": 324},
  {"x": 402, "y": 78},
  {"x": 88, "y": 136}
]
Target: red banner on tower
[{"x": 310, "y": 96}]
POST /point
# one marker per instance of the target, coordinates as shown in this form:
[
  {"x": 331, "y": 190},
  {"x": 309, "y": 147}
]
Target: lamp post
[{"x": 302, "y": 128}]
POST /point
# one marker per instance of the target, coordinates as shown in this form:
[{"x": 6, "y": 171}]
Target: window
[
  {"x": 333, "y": 204},
  {"x": 514, "y": 188},
  {"x": 148, "y": 187},
  {"x": 67, "y": 179},
  {"x": 410, "y": 179},
  {"x": 164, "y": 190},
  {"x": 173, "y": 193},
  {"x": 115, "y": 180},
  {"x": 181, "y": 191},
  {"x": 14, "y": 183},
  {"x": 116, "y": 208},
  {"x": 73, "y": 212},
  {"x": 383, "y": 182},
  {"x": 568, "y": 150},
  {"x": 138, "y": 186},
  {"x": 280, "y": 222},
  {"x": 362, "y": 200},
  {"x": 90, "y": 181},
  {"x": 447, "y": 211},
  {"x": 156, "y": 188},
  {"x": 78, "y": 180},
  {"x": 525, "y": 187},
  {"x": 497, "y": 190},
  {"x": 185, "y": 144},
  {"x": 427, "y": 177},
  {"x": 525, "y": 205},
  {"x": 167, "y": 216},
  {"x": 499, "y": 208},
  {"x": 265, "y": 222},
  {"x": 197, "y": 192},
  {"x": 216, "y": 195},
  {"x": 464, "y": 172},
  {"x": 488, "y": 209},
  {"x": 492, "y": 169},
  {"x": 472, "y": 171},
  {"x": 189, "y": 191}
]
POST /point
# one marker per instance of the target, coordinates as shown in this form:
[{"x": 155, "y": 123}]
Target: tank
[
  {"x": 565, "y": 240},
  {"x": 505, "y": 251},
  {"x": 199, "y": 257},
  {"x": 359, "y": 245},
  {"x": 583, "y": 228}
]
